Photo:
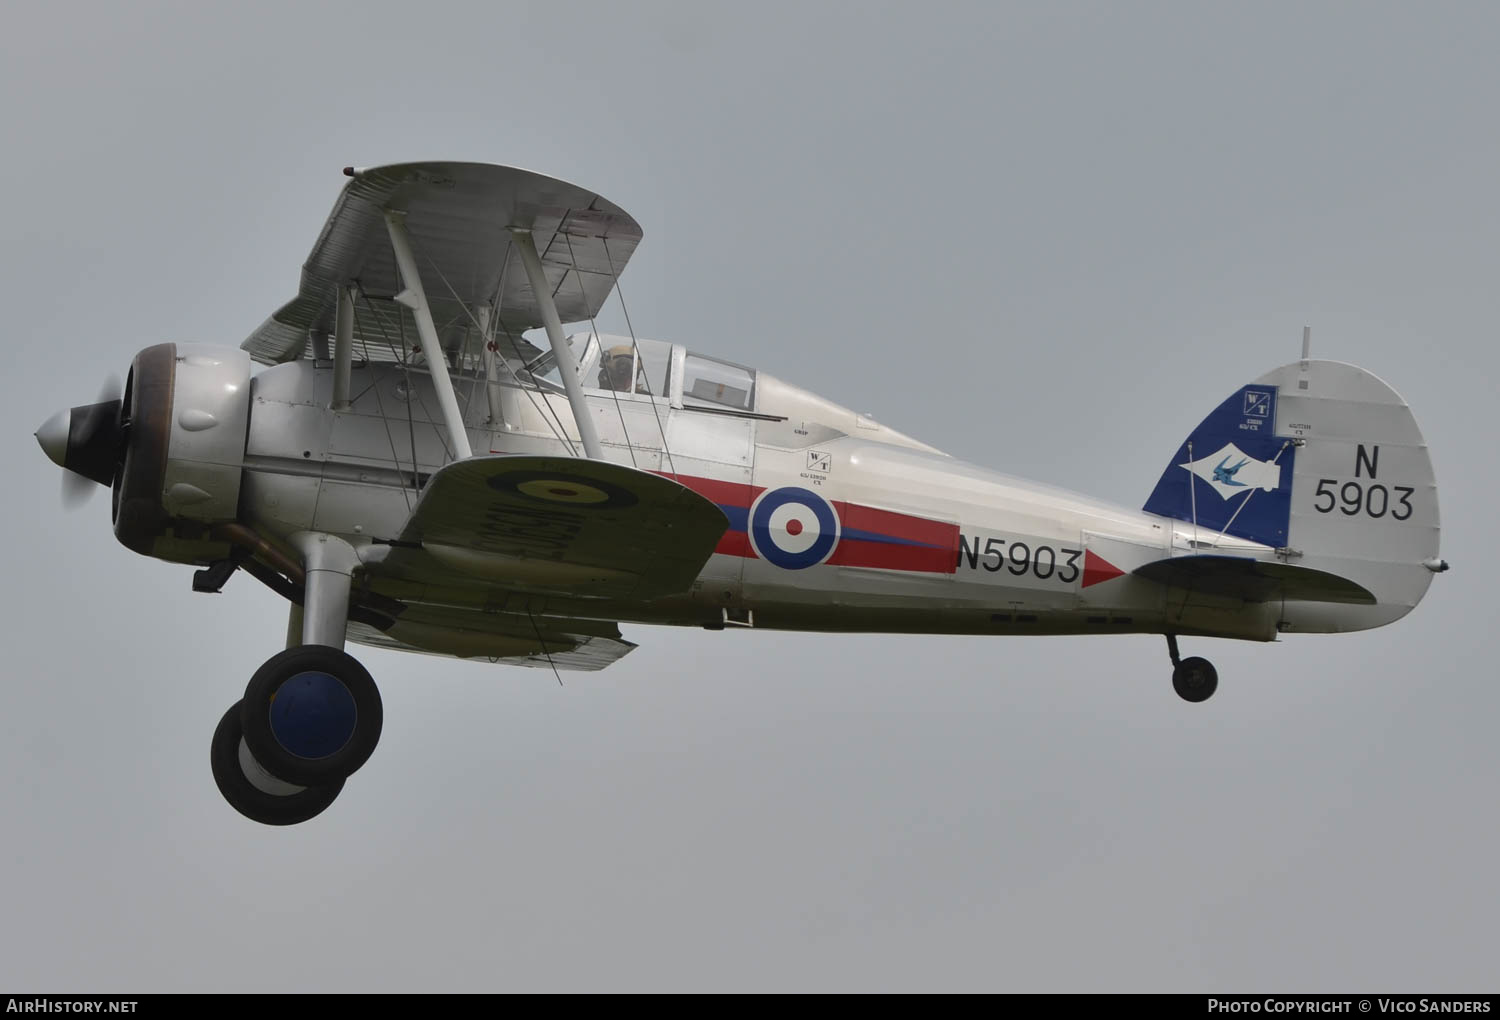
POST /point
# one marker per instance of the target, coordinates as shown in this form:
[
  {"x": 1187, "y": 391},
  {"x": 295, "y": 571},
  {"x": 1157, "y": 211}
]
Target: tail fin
[{"x": 1324, "y": 463}]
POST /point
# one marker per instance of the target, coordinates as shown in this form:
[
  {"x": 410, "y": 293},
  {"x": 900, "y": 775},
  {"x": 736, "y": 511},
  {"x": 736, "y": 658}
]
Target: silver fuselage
[{"x": 984, "y": 553}]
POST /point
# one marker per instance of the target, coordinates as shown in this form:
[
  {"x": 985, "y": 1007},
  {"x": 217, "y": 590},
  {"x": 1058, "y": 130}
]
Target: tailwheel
[
  {"x": 311, "y": 715},
  {"x": 1195, "y": 679},
  {"x": 254, "y": 792}
]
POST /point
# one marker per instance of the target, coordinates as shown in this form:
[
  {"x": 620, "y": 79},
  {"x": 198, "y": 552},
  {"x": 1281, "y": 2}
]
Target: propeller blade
[
  {"x": 76, "y": 490},
  {"x": 94, "y": 440}
]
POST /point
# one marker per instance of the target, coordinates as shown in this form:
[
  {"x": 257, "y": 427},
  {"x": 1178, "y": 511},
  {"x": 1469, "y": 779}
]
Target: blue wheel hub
[{"x": 313, "y": 715}]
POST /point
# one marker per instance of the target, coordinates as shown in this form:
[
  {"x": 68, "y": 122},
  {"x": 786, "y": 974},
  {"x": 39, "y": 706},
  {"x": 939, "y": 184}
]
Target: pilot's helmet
[{"x": 616, "y": 366}]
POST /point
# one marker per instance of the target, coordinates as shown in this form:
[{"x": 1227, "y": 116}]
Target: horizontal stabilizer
[
  {"x": 566, "y": 525},
  {"x": 1254, "y": 580}
]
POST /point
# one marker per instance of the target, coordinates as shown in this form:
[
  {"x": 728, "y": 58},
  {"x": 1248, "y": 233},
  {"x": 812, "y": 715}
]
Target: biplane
[{"x": 415, "y": 454}]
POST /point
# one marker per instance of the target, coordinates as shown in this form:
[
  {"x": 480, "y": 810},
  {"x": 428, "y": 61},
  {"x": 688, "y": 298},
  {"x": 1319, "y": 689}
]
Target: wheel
[
  {"x": 311, "y": 715},
  {"x": 264, "y": 798},
  {"x": 1195, "y": 679}
]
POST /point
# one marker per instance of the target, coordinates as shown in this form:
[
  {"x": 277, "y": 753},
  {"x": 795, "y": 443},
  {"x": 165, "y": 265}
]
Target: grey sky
[{"x": 1044, "y": 237}]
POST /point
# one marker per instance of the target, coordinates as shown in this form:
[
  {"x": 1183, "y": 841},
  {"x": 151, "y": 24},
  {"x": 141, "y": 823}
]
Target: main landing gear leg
[
  {"x": 1194, "y": 678},
  {"x": 311, "y": 715}
]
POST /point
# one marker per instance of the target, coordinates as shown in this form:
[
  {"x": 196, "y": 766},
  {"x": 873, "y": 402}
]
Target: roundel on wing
[
  {"x": 563, "y": 489},
  {"x": 793, "y": 528}
]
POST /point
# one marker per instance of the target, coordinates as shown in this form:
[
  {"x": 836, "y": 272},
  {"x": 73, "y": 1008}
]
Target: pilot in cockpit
[{"x": 616, "y": 368}]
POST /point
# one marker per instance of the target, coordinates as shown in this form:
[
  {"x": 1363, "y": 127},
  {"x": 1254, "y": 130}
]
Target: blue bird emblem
[{"x": 1225, "y": 476}]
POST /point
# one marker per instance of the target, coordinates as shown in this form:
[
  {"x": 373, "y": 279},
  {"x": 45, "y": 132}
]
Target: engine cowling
[{"x": 186, "y": 412}]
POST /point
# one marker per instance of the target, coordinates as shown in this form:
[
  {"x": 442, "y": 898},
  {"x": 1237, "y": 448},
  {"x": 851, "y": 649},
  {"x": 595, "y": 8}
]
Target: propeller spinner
[{"x": 89, "y": 441}]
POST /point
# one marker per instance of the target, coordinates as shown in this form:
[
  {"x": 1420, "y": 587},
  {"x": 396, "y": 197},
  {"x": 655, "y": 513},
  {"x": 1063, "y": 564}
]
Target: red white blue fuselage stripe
[{"x": 863, "y": 536}]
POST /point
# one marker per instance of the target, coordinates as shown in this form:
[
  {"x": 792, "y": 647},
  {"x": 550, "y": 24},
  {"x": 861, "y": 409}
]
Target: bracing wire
[
  {"x": 499, "y": 324},
  {"x": 545, "y": 650},
  {"x": 1248, "y": 496},
  {"x": 556, "y": 422},
  {"x": 380, "y": 402},
  {"x": 613, "y": 392},
  {"x": 635, "y": 345},
  {"x": 1193, "y": 493},
  {"x": 406, "y": 376},
  {"x": 411, "y": 395}
]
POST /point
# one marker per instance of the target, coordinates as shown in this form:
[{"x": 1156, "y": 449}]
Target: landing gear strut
[
  {"x": 1194, "y": 678},
  {"x": 311, "y": 715}
]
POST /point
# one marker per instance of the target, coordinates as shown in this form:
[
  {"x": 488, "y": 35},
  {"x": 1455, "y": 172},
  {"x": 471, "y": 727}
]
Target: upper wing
[
  {"x": 567, "y": 525},
  {"x": 457, "y": 216}
]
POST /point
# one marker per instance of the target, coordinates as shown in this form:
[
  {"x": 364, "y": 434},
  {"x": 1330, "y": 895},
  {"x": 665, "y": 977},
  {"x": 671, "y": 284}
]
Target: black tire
[
  {"x": 250, "y": 801},
  {"x": 334, "y": 737},
  {"x": 1195, "y": 679}
]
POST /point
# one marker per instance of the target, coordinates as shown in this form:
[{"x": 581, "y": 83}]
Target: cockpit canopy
[{"x": 649, "y": 368}]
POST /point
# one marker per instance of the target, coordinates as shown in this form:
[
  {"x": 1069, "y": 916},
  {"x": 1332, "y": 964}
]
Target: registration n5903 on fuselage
[{"x": 430, "y": 462}]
